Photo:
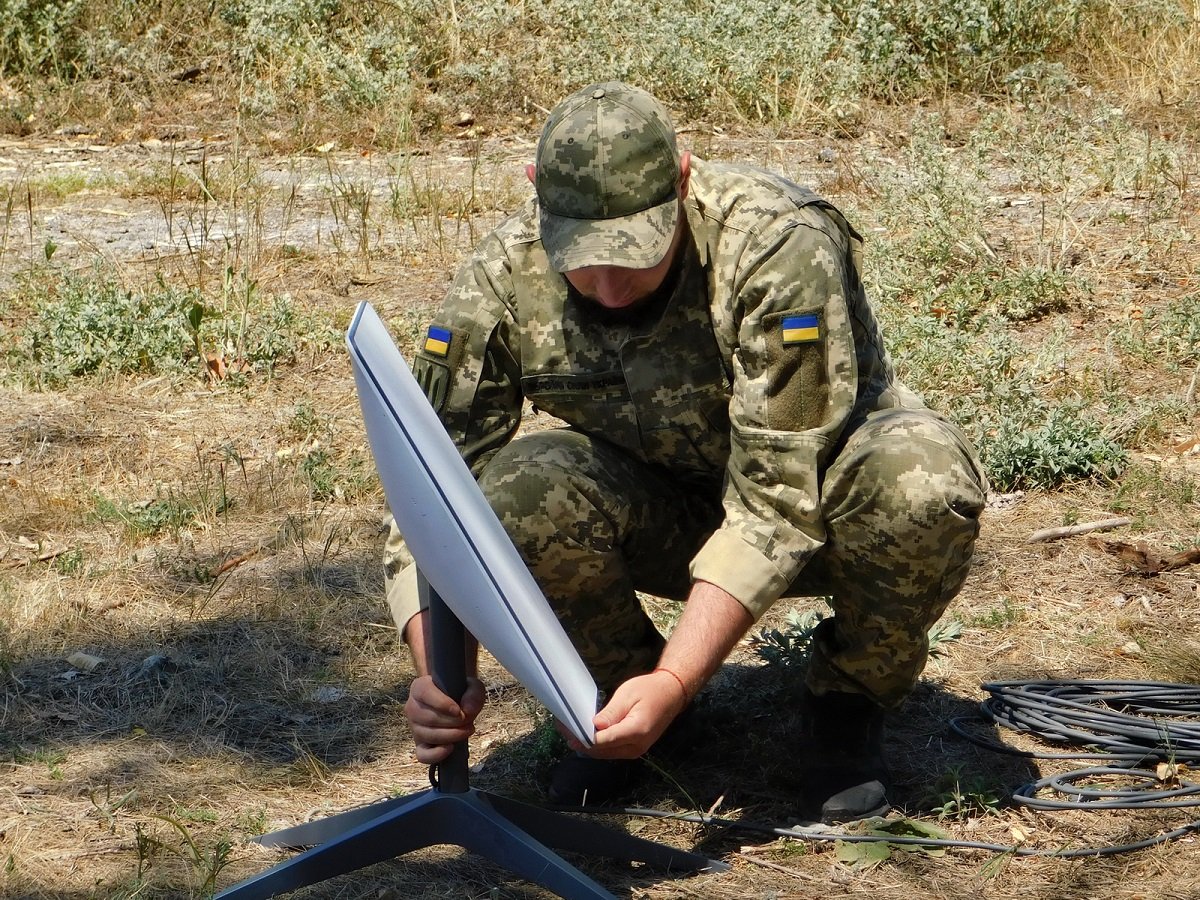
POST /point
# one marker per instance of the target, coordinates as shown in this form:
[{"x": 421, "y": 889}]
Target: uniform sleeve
[
  {"x": 468, "y": 365},
  {"x": 795, "y": 382}
]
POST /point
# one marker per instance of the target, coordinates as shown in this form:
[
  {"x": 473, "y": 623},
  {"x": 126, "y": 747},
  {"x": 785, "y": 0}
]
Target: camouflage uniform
[{"x": 744, "y": 428}]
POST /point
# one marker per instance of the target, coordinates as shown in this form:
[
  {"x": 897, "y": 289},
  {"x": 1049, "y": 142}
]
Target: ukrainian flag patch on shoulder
[
  {"x": 800, "y": 329},
  {"x": 437, "y": 341}
]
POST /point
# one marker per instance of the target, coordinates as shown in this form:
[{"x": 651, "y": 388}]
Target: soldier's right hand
[{"x": 437, "y": 721}]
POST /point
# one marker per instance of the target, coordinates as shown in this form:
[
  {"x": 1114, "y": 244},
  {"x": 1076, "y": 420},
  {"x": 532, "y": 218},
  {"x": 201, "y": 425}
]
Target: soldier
[{"x": 734, "y": 433}]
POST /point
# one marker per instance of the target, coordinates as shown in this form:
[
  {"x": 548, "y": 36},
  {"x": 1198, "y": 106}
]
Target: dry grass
[{"x": 249, "y": 677}]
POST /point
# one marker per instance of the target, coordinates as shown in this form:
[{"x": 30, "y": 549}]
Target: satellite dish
[
  {"x": 469, "y": 571},
  {"x": 458, "y": 543}
]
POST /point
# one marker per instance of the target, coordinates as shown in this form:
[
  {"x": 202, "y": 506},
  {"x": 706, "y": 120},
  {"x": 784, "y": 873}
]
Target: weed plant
[
  {"x": 92, "y": 325},
  {"x": 95, "y": 326},
  {"x": 421, "y": 61},
  {"x": 766, "y": 59},
  {"x": 955, "y": 301},
  {"x": 959, "y": 797}
]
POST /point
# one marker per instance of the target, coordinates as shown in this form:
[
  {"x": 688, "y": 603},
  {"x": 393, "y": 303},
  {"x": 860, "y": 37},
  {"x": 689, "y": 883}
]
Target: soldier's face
[{"x": 620, "y": 287}]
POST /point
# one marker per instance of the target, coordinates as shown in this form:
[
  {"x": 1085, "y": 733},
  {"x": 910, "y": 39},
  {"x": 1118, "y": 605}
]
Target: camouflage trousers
[{"x": 901, "y": 502}]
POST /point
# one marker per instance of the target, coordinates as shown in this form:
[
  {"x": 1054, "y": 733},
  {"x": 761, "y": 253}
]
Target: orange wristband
[{"x": 686, "y": 696}]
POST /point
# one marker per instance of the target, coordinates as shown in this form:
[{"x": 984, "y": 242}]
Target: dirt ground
[{"x": 244, "y": 675}]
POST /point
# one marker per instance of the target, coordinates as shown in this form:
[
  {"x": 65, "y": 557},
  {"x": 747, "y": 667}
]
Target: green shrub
[
  {"x": 40, "y": 37},
  {"x": 94, "y": 326},
  {"x": 1069, "y": 446},
  {"x": 87, "y": 326},
  {"x": 70, "y": 40},
  {"x": 995, "y": 385},
  {"x": 1015, "y": 295},
  {"x": 145, "y": 518},
  {"x": 354, "y": 58},
  {"x": 327, "y": 478},
  {"x": 770, "y": 60},
  {"x": 761, "y": 59}
]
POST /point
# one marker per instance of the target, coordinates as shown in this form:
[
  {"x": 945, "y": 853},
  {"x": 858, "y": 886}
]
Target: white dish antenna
[{"x": 458, "y": 543}]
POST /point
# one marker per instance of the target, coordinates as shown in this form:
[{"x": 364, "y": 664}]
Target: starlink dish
[{"x": 458, "y": 543}]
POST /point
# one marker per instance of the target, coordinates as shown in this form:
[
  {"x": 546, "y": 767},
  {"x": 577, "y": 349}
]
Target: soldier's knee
[
  {"x": 912, "y": 470},
  {"x": 538, "y": 487}
]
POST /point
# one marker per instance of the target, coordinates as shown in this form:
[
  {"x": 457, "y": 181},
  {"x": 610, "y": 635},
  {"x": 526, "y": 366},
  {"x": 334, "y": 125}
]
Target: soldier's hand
[
  {"x": 437, "y": 721},
  {"x": 638, "y": 713}
]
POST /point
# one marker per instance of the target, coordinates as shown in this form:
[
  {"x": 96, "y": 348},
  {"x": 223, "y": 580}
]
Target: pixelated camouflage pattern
[
  {"x": 902, "y": 501},
  {"x": 695, "y": 390},
  {"x": 607, "y": 173},
  {"x": 595, "y": 525}
]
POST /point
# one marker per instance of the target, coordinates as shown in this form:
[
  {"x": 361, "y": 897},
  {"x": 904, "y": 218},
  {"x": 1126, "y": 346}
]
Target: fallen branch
[
  {"x": 1185, "y": 558},
  {"x": 100, "y": 608},
  {"x": 1053, "y": 534}
]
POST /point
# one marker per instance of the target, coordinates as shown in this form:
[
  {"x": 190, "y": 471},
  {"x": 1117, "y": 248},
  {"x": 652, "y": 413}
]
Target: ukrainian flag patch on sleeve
[
  {"x": 437, "y": 341},
  {"x": 800, "y": 329}
]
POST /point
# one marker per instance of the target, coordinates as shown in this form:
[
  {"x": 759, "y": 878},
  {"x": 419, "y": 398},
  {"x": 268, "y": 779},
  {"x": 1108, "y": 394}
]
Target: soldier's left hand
[{"x": 638, "y": 713}]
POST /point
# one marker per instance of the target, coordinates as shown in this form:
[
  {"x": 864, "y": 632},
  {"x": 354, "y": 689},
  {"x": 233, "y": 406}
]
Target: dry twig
[
  {"x": 1053, "y": 534},
  {"x": 766, "y": 863},
  {"x": 1146, "y": 561},
  {"x": 235, "y": 562}
]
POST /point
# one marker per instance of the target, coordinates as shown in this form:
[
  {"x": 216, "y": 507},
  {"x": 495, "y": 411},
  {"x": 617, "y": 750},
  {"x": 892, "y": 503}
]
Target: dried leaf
[
  {"x": 1139, "y": 557},
  {"x": 215, "y": 366},
  {"x": 862, "y": 854},
  {"x": 1169, "y": 773}
]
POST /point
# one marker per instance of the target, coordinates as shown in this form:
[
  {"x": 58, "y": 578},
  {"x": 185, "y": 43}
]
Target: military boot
[
  {"x": 581, "y": 780},
  {"x": 846, "y": 775}
]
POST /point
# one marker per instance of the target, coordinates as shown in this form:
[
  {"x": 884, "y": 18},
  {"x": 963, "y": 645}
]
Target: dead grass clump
[{"x": 1147, "y": 53}]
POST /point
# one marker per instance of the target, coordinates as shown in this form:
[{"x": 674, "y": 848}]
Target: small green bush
[
  {"x": 95, "y": 326},
  {"x": 1015, "y": 295},
  {"x": 335, "y": 479},
  {"x": 83, "y": 326},
  {"x": 1067, "y": 447},
  {"x": 354, "y": 58},
  {"x": 39, "y": 37},
  {"x": 145, "y": 518},
  {"x": 73, "y": 40}
]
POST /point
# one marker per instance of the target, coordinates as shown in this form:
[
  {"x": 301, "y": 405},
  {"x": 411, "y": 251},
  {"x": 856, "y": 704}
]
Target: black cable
[
  {"x": 809, "y": 835},
  {"x": 1134, "y": 721},
  {"x": 1131, "y": 722}
]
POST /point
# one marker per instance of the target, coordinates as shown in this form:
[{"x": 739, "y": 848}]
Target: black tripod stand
[{"x": 515, "y": 835}]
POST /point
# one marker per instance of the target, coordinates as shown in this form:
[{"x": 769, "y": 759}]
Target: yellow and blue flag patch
[
  {"x": 800, "y": 329},
  {"x": 437, "y": 341}
]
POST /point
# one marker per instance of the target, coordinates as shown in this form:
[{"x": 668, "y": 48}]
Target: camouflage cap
[{"x": 607, "y": 178}]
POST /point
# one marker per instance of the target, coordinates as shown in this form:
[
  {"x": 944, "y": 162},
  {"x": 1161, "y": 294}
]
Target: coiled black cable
[{"x": 1130, "y": 724}]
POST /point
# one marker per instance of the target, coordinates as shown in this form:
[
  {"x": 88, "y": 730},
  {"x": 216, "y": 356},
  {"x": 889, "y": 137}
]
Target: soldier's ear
[
  {"x": 685, "y": 171},
  {"x": 531, "y": 173}
]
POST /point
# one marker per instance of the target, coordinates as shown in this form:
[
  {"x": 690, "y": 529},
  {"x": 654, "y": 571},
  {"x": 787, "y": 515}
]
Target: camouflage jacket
[{"x": 742, "y": 377}]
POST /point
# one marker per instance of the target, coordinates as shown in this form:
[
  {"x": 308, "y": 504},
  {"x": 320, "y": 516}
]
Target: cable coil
[{"x": 1129, "y": 724}]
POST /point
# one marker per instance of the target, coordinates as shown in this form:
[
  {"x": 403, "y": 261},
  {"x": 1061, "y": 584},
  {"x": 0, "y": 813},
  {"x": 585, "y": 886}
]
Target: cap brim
[{"x": 638, "y": 241}]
